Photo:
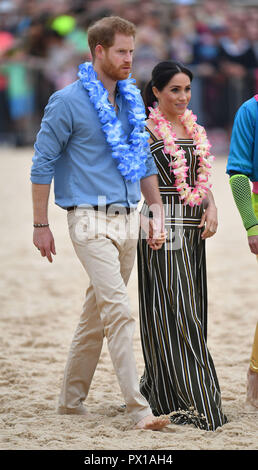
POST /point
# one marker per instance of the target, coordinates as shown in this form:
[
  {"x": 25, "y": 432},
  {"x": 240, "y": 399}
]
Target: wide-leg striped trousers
[{"x": 179, "y": 373}]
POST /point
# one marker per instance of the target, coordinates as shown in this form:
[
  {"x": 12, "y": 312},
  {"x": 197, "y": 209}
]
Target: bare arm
[
  {"x": 40, "y": 196},
  {"x": 42, "y": 236},
  {"x": 150, "y": 191}
]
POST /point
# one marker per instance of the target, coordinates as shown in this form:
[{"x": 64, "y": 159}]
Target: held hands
[
  {"x": 155, "y": 237},
  {"x": 210, "y": 221},
  {"x": 44, "y": 241}
]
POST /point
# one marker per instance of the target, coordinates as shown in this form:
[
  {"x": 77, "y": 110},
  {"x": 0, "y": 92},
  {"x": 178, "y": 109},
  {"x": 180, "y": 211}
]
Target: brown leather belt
[{"x": 110, "y": 208}]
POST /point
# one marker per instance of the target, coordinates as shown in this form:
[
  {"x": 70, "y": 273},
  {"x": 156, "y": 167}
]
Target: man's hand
[{"x": 44, "y": 241}]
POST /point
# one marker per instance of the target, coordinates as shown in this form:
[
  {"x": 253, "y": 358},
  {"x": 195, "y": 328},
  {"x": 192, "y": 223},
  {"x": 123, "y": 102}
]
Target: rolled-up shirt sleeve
[
  {"x": 55, "y": 131},
  {"x": 242, "y": 143},
  {"x": 150, "y": 164}
]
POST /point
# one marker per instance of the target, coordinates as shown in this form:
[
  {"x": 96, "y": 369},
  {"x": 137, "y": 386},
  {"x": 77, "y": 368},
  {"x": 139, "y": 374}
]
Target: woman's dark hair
[{"x": 161, "y": 75}]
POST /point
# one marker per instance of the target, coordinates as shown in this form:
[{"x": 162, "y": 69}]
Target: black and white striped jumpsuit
[{"x": 179, "y": 373}]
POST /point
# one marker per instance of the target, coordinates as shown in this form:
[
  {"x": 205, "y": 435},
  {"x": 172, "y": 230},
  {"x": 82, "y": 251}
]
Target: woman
[{"x": 179, "y": 373}]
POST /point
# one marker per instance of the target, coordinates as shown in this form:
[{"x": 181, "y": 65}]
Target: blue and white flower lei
[{"x": 131, "y": 153}]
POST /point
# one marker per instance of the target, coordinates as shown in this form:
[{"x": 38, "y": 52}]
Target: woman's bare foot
[
  {"x": 153, "y": 423},
  {"x": 252, "y": 388}
]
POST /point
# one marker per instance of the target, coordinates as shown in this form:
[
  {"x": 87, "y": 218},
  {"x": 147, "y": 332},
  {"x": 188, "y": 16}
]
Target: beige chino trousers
[{"x": 106, "y": 246}]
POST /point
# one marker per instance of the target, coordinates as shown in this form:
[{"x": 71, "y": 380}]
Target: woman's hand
[{"x": 209, "y": 219}]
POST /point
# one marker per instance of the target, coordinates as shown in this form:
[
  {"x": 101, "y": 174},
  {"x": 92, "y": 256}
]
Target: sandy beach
[{"x": 39, "y": 309}]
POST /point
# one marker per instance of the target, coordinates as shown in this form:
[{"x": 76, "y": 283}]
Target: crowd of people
[{"x": 42, "y": 44}]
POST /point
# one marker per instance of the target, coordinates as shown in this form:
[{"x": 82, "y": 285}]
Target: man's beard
[{"x": 113, "y": 72}]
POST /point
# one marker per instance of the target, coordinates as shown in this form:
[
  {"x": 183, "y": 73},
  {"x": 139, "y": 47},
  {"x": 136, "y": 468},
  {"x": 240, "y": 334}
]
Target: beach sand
[{"x": 39, "y": 310}]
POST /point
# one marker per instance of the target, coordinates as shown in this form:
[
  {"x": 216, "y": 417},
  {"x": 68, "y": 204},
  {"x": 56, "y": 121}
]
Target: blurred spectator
[
  {"x": 149, "y": 47},
  {"x": 237, "y": 63},
  {"x": 28, "y": 11},
  {"x": 181, "y": 46},
  {"x": 19, "y": 93},
  {"x": 206, "y": 90},
  {"x": 6, "y": 42},
  {"x": 182, "y": 16},
  {"x": 59, "y": 68},
  {"x": 8, "y": 17},
  {"x": 212, "y": 15}
]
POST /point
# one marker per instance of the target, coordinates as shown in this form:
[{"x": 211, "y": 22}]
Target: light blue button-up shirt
[{"x": 71, "y": 148}]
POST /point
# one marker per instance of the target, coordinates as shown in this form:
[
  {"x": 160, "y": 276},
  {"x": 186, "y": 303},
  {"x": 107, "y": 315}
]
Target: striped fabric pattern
[{"x": 179, "y": 375}]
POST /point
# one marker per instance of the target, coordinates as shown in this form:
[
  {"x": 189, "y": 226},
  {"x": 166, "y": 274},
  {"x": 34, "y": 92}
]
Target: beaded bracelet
[{"x": 40, "y": 225}]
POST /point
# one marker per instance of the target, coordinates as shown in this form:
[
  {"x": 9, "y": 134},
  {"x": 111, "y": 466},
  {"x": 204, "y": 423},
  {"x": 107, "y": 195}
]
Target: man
[
  {"x": 92, "y": 142},
  {"x": 243, "y": 166}
]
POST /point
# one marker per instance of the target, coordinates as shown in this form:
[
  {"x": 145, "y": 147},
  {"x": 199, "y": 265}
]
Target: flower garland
[
  {"x": 192, "y": 196},
  {"x": 131, "y": 153}
]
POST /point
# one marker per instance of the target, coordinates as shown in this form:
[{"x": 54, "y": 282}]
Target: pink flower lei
[{"x": 164, "y": 128}]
